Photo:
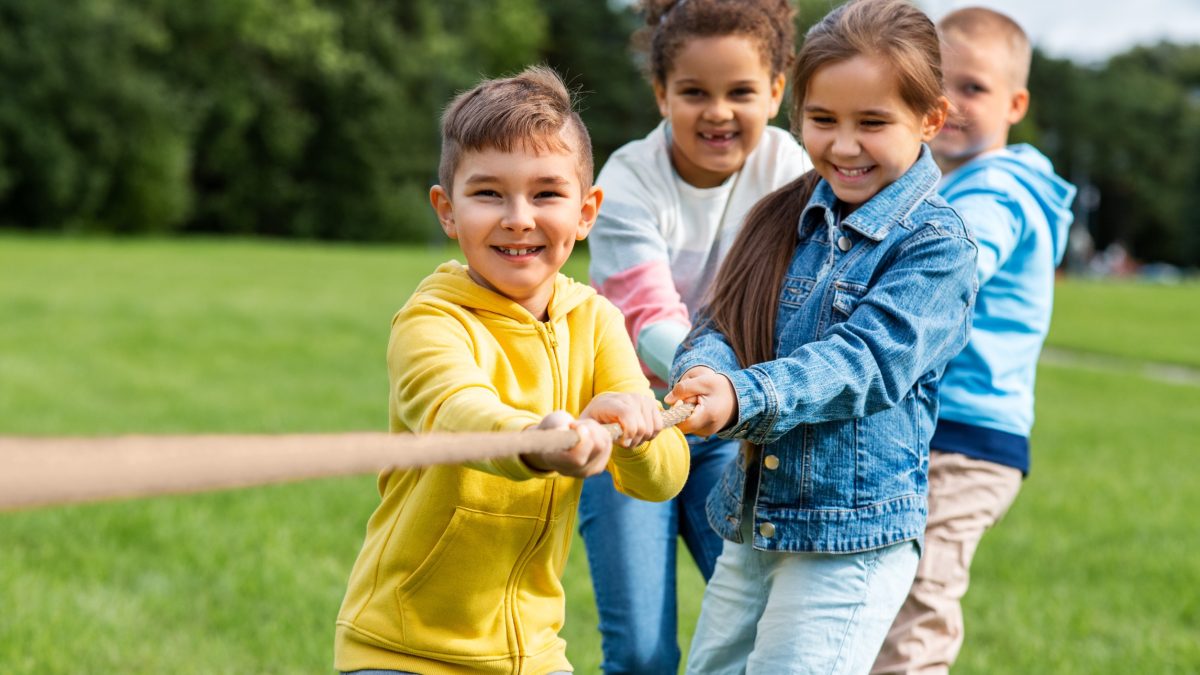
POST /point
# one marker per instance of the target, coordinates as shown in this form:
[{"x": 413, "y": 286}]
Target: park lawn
[
  {"x": 1092, "y": 571},
  {"x": 104, "y": 336},
  {"x": 1144, "y": 322}
]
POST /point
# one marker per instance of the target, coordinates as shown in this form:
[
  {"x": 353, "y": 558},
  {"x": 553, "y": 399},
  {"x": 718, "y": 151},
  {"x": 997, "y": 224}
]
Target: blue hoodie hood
[
  {"x": 1019, "y": 212},
  {"x": 1033, "y": 170}
]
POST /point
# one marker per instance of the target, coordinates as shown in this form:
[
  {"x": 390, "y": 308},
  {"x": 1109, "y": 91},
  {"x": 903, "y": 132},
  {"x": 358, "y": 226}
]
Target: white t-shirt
[{"x": 659, "y": 241}]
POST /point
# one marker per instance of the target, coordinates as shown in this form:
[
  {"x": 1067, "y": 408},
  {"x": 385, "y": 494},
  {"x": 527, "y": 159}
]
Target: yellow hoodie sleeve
[
  {"x": 437, "y": 386},
  {"x": 656, "y": 470}
]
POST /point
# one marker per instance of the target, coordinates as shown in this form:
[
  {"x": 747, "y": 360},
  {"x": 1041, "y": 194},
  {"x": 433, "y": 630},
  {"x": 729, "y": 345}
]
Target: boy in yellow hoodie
[{"x": 460, "y": 571}]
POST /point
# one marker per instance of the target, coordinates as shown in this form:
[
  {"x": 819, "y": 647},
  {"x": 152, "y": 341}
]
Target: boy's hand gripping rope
[{"x": 47, "y": 471}]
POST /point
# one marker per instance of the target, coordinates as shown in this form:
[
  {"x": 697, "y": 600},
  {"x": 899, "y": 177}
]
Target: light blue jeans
[
  {"x": 631, "y": 549},
  {"x": 770, "y": 613}
]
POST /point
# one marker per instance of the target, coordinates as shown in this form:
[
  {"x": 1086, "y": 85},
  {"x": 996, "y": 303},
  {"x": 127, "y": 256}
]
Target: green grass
[
  {"x": 1093, "y": 571},
  {"x": 1130, "y": 320}
]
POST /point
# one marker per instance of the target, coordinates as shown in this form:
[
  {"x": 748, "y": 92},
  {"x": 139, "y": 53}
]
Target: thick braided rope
[{"x": 47, "y": 471}]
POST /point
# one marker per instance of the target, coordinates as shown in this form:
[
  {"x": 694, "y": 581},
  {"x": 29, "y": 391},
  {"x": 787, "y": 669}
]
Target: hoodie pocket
[{"x": 457, "y": 600}]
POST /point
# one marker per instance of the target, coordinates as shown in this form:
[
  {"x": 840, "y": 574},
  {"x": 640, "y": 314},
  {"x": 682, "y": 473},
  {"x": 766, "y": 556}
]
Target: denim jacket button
[
  {"x": 771, "y": 462},
  {"x": 767, "y": 530},
  {"x": 844, "y": 243}
]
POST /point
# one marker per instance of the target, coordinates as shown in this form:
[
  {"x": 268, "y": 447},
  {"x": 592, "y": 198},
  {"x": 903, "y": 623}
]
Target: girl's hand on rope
[
  {"x": 639, "y": 415},
  {"x": 715, "y": 399},
  {"x": 589, "y": 456}
]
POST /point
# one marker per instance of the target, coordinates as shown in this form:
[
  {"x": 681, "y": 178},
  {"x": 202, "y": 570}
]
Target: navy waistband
[{"x": 991, "y": 445}]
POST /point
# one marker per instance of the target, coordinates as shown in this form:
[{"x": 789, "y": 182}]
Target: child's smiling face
[
  {"x": 718, "y": 97},
  {"x": 516, "y": 216},
  {"x": 859, "y": 132},
  {"x": 987, "y": 100}
]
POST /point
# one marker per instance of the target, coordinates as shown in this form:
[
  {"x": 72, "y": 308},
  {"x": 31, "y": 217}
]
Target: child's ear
[
  {"x": 444, "y": 208},
  {"x": 660, "y": 97},
  {"x": 778, "y": 85},
  {"x": 589, "y": 211},
  {"x": 1018, "y": 106},
  {"x": 935, "y": 119}
]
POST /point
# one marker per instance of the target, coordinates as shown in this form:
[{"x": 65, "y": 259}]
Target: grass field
[
  {"x": 1095, "y": 570},
  {"x": 1134, "y": 321}
]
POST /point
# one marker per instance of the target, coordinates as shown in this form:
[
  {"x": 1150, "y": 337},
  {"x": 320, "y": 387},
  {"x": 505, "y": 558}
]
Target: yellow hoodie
[{"x": 460, "y": 571}]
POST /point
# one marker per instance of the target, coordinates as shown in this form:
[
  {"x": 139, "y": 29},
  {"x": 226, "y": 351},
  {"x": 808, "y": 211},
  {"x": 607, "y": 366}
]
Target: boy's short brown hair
[
  {"x": 972, "y": 23},
  {"x": 529, "y": 110}
]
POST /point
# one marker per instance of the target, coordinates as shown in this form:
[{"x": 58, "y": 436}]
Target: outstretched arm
[
  {"x": 655, "y": 464},
  {"x": 912, "y": 320},
  {"x": 436, "y": 385}
]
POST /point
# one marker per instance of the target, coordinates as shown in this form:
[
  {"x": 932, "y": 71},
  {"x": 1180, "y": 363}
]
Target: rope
[{"x": 51, "y": 471}]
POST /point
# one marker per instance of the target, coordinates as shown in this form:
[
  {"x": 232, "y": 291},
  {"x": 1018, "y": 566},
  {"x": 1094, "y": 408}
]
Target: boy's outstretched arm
[
  {"x": 638, "y": 415},
  {"x": 437, "y": 386},
  {"x": 655, "y": 465}
]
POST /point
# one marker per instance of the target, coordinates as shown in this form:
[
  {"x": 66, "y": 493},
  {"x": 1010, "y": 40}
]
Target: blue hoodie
[{"x": 1019, "y": 211}]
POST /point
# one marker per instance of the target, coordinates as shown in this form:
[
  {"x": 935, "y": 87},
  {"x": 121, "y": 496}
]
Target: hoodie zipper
[{"x": 546, "y": 330}]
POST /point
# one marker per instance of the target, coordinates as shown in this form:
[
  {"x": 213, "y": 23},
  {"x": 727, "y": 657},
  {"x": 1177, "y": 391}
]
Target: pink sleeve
[{"x": 645, "y": 294}]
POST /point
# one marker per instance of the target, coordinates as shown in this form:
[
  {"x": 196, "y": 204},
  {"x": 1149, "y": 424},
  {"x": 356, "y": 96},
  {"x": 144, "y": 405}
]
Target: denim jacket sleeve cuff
[
  {"x": 687, "y": 360},
  {"x": 758, "y": 406}
]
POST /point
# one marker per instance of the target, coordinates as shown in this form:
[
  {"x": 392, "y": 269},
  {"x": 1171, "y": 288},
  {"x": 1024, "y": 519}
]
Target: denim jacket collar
[{"x": 875, "y": 219}]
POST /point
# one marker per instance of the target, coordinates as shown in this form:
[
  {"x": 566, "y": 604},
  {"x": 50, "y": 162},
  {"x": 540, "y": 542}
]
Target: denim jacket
[{"x": 870, "y": 311}]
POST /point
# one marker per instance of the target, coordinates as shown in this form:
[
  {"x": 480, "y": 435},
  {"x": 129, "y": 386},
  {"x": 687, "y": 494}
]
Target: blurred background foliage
[{"x": 318, "y": 119}]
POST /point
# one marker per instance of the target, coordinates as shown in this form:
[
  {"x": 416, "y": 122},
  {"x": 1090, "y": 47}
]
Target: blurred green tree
[
  {"x": 588, "y": 43},
  {"x": 1131, "y": 129},
  {"x": 276, "y": 117},
  {"x": 318, "y": 118},
  {"x": 90, "y": 139}
]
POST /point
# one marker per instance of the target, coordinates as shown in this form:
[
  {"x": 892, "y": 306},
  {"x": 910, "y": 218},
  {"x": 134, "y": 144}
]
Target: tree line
[{"x": 318, "y": 118}]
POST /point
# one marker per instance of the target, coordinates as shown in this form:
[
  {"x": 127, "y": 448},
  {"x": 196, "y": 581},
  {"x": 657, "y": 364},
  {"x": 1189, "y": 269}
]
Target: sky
[{"x": 1091, "y": 30}]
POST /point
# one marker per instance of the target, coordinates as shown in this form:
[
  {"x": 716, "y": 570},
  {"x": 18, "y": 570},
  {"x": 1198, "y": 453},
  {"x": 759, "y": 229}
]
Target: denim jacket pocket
[
  {"x": 795, "y": 290},
  {"x": 846, "y": 297}
]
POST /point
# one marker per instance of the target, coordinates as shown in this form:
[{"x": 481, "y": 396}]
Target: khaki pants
[{"x": 966, "y": 497}]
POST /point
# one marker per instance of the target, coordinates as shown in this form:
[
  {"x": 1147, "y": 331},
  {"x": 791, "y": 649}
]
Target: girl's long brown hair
[{"x": 746, "y": 291}]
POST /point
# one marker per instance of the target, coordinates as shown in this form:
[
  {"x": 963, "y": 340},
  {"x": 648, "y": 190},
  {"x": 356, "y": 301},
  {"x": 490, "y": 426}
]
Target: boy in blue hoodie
[{"x": 1019, "y": 212}]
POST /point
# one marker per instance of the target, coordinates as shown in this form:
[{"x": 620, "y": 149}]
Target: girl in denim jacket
[{"x": 831, "y": 321}]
